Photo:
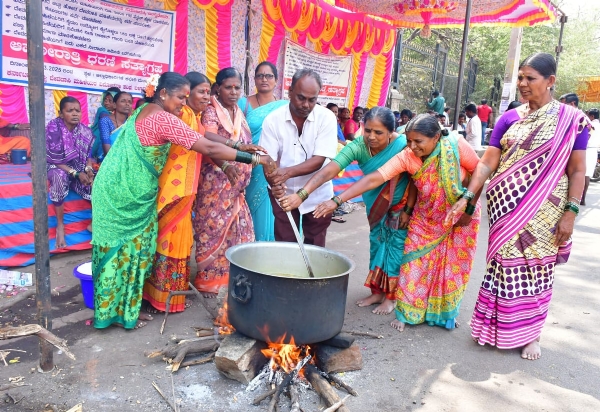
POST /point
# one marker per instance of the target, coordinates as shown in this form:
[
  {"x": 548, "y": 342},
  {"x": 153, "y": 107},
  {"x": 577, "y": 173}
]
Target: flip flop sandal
[{"x": 338, "y": 219}]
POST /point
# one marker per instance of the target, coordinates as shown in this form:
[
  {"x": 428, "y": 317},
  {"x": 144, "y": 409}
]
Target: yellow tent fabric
[{"x": 589, "y": 89}]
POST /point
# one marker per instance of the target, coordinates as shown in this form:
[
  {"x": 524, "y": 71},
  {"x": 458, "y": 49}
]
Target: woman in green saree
[
  {"x": 385, "y": 204},
  {"x": 124, "y": 236}
]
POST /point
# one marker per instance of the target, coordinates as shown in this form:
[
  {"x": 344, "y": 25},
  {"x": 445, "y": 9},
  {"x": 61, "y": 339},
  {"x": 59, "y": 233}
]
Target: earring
[
  {"x": 548, "y": 88},
  {"x": 162, "y": 97}
]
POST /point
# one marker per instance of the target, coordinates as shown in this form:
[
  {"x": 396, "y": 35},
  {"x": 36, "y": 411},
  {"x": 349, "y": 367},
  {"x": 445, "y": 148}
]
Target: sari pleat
[
  {"x": 526, "y": 198},
  {"x": 222, "y": 218},
  {"x": 178, "y": 184},
  {"x": 384, "y": 205},
  {"x": 437, "y": 257}
]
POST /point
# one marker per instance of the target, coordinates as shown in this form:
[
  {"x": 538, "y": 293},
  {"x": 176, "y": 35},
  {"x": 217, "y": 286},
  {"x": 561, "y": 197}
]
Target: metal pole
[
  {"x": 559, "y": 48},
  {"x": 248, "y": 58},
  {"x": 35, "y": 64},
  {"x": 461, "y": 66}
]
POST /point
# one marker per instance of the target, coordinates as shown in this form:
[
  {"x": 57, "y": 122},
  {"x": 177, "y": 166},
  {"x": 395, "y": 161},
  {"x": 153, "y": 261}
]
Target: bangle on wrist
[
  {"x": 575, "y": 199},
  {"x": 243, "y": 157},
  {"x": 225, "y": 165},
  {"x": 572, "y": 207},
  {"x": 236, "y": 144},
  {"x": 408, "y": 210},
  {"x": 336, "y": 200},
  {"x": 255, "y": 159},
  {"x": 468, "y": 195},
  {"x": 470, "y": 209},
  {"x": 302, "y": 194}
]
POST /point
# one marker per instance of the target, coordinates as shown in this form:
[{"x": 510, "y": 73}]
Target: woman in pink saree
[{"x": 222, "y": 218}]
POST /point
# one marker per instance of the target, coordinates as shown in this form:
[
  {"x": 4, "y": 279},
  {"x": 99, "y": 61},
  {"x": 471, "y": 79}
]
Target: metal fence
[{"x": 418, "y": 70}]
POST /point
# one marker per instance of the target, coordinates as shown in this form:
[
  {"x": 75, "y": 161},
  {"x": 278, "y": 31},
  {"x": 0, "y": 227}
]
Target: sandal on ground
[{"x": 338, "y": 219}]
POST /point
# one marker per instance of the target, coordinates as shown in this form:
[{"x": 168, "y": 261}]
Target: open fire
[
  {"x": 222, "y": 321},
  {"x": 291, "y": 369}
]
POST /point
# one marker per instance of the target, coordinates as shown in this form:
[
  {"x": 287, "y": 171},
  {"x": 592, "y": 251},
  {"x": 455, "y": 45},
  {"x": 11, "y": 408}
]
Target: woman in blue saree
[
  {"x": 256, "y": 108},
  {"x": 107, "y": 107},
  {"x": 388, "y": 206}
]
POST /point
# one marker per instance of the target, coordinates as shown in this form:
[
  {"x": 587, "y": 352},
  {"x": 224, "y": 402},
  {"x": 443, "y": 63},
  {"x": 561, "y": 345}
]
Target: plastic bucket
[
  {"x": 18, "y": 156},
  {"x": 83, "y": 272}
]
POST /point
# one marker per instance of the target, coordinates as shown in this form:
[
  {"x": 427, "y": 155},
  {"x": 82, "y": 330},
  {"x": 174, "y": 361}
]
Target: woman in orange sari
[
  {"x": 178, "y": 185},
  {"x": 222, "y": 218}
]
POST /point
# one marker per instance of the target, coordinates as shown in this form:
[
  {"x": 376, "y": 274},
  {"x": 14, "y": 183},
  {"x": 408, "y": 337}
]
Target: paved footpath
[{"x": 421, "y": 369}]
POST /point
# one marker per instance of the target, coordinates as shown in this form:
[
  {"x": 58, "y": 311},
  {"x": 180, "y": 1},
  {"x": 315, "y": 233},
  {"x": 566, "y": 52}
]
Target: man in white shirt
[
  {"x": 591, "y": 153},
  {"x": 473, "y": 129},
  {"x": 300, "y": 137}
]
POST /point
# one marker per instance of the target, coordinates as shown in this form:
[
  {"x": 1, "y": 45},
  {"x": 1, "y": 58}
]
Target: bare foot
[
  {"x": 145, "y": 316},
  {"x": 532, "y": 351},
  {"x": 371, "y": 300},
  {"x": 209, "y": 295},
  {"x": 151, "y": 309},
  {"x": 399, "y": 326},
  {"x": 386, "y": 307},
  {"x": 60, "y": 237},
  {"x": 139, "y": 324}
]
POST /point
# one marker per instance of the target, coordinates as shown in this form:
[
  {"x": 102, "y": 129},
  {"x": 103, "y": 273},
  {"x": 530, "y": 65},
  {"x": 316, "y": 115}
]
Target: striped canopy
[{"x": 451, "y": 13}]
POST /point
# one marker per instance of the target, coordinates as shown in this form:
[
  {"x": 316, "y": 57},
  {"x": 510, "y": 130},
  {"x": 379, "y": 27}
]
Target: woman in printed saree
[
  {"x": 178, "y": 184},
  {"x": 107, "y": 107},
  {"x": 69, "y": 160},
  {"x": 384, "y": 203},
  {"x": 222, "y": 217},
  {"x": 438, "y": 255},
  {"x": 124, "y": 198},
  {"x": 256, "y": 108},
  {"x": 537, "y": 155}
]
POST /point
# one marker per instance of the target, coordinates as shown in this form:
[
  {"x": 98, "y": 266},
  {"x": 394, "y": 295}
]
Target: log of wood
[
  {"x": 10, "y": 386},
  {"x": 295, "y": 398},
  {"x": 264, "y": 396},
  {"x": 337, "y": 381},
  {"x": 322, "y": 387},
  {"x": 201, "y": 333},
  {"x": 200, "y": 361},
  {"x": 175, "y": 354},
  {"x": 336, "y": 406},
  {"x": 161, "y": 393},
  {"x": 365, "y": 334},
  {"x": 280, "y": 388},
  {"x": 9, "y": 332}
]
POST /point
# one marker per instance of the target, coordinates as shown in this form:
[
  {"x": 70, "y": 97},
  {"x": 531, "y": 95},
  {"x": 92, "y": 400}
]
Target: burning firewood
[
  {"x": 176, "y": 353},
  {"x": 9, "y": 332},
  {"x": 323, "y": 388}
]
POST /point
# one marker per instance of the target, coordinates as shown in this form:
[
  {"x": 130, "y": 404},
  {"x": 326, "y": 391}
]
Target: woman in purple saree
[{"x": 537, "y": 155}]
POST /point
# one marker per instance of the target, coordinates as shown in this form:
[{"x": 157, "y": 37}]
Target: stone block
[
  {"x": 341, "y": 340},
  {"x": 333, "y": 360},
  {"x": 239, "y": 357}
]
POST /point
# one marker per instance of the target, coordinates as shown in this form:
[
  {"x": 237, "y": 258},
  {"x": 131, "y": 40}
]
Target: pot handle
[{"x": 241, "y": 291}]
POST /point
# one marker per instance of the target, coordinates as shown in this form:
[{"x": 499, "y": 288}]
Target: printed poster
[
  {"x": 89, "y": 45},
  {"x": 334, "y": 71}
]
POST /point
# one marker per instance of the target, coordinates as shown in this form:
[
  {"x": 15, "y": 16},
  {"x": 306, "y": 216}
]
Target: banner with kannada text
[
  {"x": 89, "y": 45},
  {"x": 334, "y": 71}
]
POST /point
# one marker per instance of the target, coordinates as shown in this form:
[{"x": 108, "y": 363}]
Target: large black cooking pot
[{"x": 271, "y": 296}]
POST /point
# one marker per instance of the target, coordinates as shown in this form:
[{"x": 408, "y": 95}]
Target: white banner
[
  {"x": 89, "y": 45},
  {"x": 334, "y": 71}
]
